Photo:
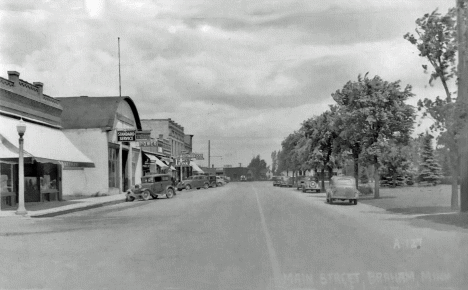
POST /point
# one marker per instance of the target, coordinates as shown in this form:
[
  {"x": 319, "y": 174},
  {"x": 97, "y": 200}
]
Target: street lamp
[{"x": 21, "y": 128}]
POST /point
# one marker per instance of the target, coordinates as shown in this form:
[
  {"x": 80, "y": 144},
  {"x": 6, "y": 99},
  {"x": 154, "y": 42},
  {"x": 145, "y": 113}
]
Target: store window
[
  {"x": 113, "y": 167},
  {"x": 49, "y": 177},
  {"x": 6, "y": 171}
]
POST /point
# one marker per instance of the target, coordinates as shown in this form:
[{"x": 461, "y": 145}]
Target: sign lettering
[{"x": 125, "y": 135}]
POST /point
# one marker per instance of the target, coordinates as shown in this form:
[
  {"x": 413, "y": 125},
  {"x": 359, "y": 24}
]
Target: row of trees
[
  {"x": 371, "y": 122},
  {"x": 369, "y": 117}
]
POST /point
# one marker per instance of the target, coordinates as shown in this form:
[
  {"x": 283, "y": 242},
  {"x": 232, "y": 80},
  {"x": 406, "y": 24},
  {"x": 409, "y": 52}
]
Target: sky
[{"x": 242, "y": 74}]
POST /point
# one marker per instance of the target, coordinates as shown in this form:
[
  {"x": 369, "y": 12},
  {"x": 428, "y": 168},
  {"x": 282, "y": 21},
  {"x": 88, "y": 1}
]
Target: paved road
[{"x": 241, "y": 236}]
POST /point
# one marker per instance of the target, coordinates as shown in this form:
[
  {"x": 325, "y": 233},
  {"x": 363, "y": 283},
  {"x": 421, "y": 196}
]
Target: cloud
[{"x": 244, "y": 74}]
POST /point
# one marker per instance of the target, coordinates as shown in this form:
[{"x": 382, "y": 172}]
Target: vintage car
[
  {"x": 195, "y": 181},
  {"x": 243, "y": 178},
  {"x": 300, "y": 180},
  {"x": 342, "y": 188},
  {"x": 154, "y": 185},
  {"x": 287, "y": 181},
  {"x": 311, "y": 184},
  {"x": 220, "y": 181},
  {"x": 276, "y": 180}
]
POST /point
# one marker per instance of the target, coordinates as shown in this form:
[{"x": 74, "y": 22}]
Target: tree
[
  {"x": 396, "y": 160},
  {"x": 429, "y": 168},
  {"x": 436, "y": 41},
  {"x": 257, "y": 166},
  {"x": 289, "y": 154},
  {"x": 372, "y": 112},
  {"x": 274, "y": 162},
  {"x": 322, "y": 134}
]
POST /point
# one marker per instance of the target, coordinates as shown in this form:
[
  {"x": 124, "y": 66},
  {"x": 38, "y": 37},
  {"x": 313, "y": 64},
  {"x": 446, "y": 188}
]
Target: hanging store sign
[
  {"x": 197, "y": 156},
  {"x": 143, "y": 135},
  {"x": 125, "y": 135}
]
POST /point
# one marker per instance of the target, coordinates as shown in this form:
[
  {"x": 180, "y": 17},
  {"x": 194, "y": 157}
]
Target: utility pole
[
  {"x": 209, "y": 161},
  {"x": 462, "y": 101},
  {"x": 120, "y": 80}
]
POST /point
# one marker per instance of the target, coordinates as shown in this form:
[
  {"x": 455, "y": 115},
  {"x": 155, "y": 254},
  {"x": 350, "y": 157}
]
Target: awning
[
  {"x": 41, "y": 143},
  {"x": 195, "y": 167},
  {"x": 154, "y": 159}
]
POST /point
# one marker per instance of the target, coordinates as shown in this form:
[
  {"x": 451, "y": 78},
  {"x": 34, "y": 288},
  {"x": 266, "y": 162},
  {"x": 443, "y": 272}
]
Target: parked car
[
  {"x": 195, "y": 181},
  {"x": 287, "y": 181},
  {"x": 342, "y": 188},
  {"x": 220, "y": 181},
  {"x": 212, "y": 180},
  {"x": 276, "y": 180},
  {"x": 243, "y": 178},
  {"x": 311, "y": 184},
  {"x": 299, "y": 181},
  {"x": 155, "y": 185},
  {"x": 226, "y": 179}
]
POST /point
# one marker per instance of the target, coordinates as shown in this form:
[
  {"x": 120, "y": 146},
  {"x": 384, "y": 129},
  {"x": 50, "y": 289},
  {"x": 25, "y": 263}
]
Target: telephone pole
[
  {"x": 120, "y": 80},
  {"x": 462, "y": 101},
  {"x": 209, "y": 161}
]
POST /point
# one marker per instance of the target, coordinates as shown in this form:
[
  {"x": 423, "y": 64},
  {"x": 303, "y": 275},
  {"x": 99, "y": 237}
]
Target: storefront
[
  {"x": 47, "y": 154},
  {"x": 92, "y": 123},
  {"x": 153, "y": 164}
]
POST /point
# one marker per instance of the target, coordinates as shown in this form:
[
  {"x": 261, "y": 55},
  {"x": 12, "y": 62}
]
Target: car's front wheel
[
  {"x": 188, "y": 187},
  {"x": 130, "y": 198},
  {"x": 145, "y": 195},
  {"x": 169, "y": 193},
  {"x": 206, "y": 186}
]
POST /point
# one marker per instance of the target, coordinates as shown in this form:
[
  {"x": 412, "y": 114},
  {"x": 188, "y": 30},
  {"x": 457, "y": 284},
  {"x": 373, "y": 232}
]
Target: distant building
[
  {"x": 236, "y": 172},
  {"x": 188, "y": 140}
]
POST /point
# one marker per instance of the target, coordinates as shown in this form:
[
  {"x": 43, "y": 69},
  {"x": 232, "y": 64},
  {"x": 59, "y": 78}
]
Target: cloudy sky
[{"x": 243, "y": 74}]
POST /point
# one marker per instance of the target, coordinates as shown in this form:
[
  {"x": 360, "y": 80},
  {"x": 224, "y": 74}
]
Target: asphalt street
[{"x": 247, "y": 235}]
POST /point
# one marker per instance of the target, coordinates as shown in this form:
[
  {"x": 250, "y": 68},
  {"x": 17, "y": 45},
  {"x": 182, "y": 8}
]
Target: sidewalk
[{"x": 54, "y": 208}]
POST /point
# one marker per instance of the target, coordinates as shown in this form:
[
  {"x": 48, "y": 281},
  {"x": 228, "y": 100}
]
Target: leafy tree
[
  {"x": 436, "y": 41},
  {"x": 396, "y": 160},
  {"x": 322, "y": 134},
  {"x": 289, "y": 153},
  {"x": 372, "y": 112},
  {"x": 274, "y": 162},
  {"x": 429, "y": 168},
  {"x": 363, "y": 177},
  {"x": 258, "y": 167}
]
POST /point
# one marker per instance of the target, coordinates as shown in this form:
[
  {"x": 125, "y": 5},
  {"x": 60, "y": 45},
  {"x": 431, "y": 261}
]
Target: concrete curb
[{"x": 78, "y": 207}]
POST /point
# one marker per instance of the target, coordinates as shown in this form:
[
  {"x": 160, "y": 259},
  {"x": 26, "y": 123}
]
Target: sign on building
[
  {"x": 197, "y": 156},
  {"x": 143, "y": 135},
  {"x": 125, "y": 135}
]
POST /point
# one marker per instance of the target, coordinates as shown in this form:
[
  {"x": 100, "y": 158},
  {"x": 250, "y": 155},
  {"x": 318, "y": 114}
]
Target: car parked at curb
[
  {"x": 220, "y": 181},
  {"x": 287, "y": 181},
  {"x": 342, "y": 188},
  {"x": 243, "y": 178},
  {"x": 154, "y": 185},
  {"x": 212, "y": 180},
  {"x": 311, "y": 184},
  {"x": 276, "y": 180},
  {"x": 195, "y": 181},
  {"x": 300, "y": 180}
]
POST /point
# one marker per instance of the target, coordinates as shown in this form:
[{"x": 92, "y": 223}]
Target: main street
[{"x": 247, "y": 235}]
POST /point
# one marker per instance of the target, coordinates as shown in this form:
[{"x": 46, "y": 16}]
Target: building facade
[
  {"x": 51, "y": 161},
  {"x": 168, "y": 128},
  {"x": 92, "y": 124}
]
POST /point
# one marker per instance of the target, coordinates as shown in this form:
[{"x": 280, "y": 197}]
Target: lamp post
[{"x": 21, "y": 128}]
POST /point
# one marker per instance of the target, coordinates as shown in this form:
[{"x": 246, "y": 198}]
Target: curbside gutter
[{"x": 72, "y": 208}]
